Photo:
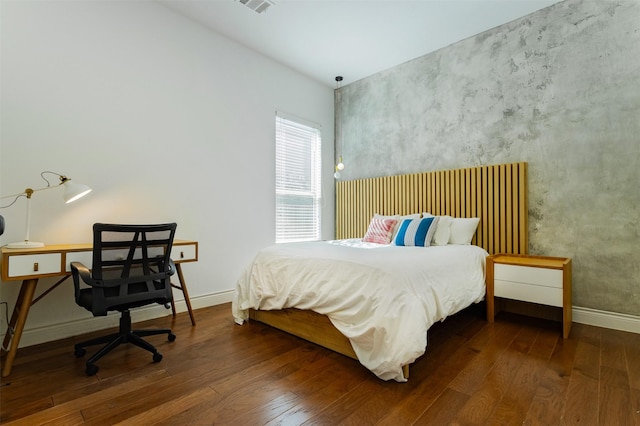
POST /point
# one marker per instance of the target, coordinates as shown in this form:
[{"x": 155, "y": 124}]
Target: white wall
[{"x": 164, "y": 119}]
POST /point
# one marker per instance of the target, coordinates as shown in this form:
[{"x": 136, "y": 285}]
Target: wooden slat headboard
[{"x": 496, "y": 194}]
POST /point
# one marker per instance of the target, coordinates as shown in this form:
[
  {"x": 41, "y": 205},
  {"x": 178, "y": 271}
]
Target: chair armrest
[
  {"x": 172, "y": 267},
  {"x": 80, "y": 272},
  {"x": 78, "y": 269}
]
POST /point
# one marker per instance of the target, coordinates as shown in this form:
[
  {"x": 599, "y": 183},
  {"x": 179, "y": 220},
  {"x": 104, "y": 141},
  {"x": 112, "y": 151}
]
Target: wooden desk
[{"x": 29, "y": 265}]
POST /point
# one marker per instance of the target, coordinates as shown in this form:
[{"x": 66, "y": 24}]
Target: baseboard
[
  {"x": 85, "y": 325},
  {"x": 613, "y": 320}
]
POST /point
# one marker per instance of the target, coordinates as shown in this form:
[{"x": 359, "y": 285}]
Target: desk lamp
[{"x": 72, "y": 192}]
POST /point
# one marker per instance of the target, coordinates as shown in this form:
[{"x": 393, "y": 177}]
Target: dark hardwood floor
[{"x": 516, "y": 371}]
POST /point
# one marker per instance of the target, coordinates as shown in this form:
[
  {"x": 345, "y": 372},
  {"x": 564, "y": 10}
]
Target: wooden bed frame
[{"x": 496, "y": 194}]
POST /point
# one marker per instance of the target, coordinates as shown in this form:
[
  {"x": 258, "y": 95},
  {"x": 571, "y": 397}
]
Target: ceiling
[{"x": 352, "y": 38}]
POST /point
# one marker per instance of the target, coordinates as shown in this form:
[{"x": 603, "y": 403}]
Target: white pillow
[
  {"x": 462, "y": 230},
  {"x": 443, "y": 230}
]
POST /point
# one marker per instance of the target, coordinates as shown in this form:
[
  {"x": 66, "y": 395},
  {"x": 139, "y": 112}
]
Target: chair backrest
[{"x": 133, "y": 264}]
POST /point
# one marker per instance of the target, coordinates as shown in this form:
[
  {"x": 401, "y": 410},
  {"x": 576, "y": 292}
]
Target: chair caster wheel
[
  {"x": 157, "y": 357},
  {"x": 172, "y": 337},
  {"x": 79, "y": 352},
  {"x": 91, "y": 369}
]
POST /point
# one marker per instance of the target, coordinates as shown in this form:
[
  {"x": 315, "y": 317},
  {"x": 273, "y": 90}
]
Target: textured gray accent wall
[{"x": 560, "y": 89}]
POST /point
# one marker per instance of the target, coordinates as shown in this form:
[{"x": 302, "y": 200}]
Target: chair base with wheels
[{"x": 124, "y": 335}]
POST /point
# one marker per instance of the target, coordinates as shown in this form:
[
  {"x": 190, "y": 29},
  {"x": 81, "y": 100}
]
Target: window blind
[{"x": 298, "y": 183}]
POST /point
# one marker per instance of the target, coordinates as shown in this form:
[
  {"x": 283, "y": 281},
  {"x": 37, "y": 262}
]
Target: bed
[{"x": 375, "y": 302}]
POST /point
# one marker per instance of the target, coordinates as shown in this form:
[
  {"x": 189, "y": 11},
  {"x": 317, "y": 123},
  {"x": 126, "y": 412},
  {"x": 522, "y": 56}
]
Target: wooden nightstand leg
[
  {"x": 567, "y": 300},
  {"x": 566, "y": 325},
  {"x": 567, "y": 312},
  {"x": 491, "y": 307}
]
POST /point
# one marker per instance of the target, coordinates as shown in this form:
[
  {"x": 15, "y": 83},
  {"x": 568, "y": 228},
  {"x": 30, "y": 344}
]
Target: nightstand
[{"x": 536, "y": 279}]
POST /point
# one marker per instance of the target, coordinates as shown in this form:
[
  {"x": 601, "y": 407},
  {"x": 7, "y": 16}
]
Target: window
[{"x": 298, "y": 187}]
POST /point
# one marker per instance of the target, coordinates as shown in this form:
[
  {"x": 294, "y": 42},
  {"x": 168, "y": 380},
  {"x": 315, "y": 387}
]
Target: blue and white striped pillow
[{"x": 416, "y": 232}]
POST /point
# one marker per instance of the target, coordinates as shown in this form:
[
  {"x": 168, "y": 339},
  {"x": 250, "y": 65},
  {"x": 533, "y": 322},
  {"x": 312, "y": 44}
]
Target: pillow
[
  {"x": 443, "y": 231},
  {"x": 416, "y": 232},
  {"x": 380, "y": 230},
  {"x": 462, "y": 230},
  {"x": 399, "y": 220}
]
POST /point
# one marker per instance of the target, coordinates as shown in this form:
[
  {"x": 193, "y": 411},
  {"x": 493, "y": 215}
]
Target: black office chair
[{"x": 131, "y": 268}]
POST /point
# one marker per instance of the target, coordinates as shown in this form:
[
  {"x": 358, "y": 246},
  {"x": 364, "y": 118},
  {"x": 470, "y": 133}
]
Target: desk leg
[
  {"x": 18, "y": 320},
  {"x": 183, "y": 287}
]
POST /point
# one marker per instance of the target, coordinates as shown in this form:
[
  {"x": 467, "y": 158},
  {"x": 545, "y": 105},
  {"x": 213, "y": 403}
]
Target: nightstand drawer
[
  {"x": 34, "y": 264},
  {"x": 528, "y": 292},
  {"x": 529, "y": 275}
]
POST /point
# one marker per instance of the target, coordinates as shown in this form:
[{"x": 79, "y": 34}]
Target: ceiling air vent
[{"x": 258, "y": 6}]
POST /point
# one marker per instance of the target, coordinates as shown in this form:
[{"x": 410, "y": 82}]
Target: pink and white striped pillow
[{"x": 380, "y": 230}]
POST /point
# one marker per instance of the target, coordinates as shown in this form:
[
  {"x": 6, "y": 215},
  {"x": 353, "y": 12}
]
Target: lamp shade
[{"x": 74, "y": 191}]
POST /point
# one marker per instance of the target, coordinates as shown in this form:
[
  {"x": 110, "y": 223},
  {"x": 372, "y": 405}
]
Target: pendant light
[{"x": 339, "y": 165}]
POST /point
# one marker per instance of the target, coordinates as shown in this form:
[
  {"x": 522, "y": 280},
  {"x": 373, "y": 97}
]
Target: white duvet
[{"x": 383, "y": 298}]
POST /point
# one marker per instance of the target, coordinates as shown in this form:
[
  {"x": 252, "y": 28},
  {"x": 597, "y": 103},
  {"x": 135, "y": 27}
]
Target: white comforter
[{"x": 383, "y": 298}]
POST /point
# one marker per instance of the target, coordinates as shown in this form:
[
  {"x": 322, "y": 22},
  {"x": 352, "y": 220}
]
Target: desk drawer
[
  {"x": 184, "y": 253},
  {"x": 181, "y": 253},
  {"x": 35, "y": 264},
  {"x": 84, "y": 257},
  {"x": 529, "y": 275}
]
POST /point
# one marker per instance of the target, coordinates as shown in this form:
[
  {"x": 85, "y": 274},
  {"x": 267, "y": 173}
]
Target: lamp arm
[
  {"x": 28, "y": 192},
  {"x": 22, "y": 194},
  {"x": 62, "y": 178}
]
